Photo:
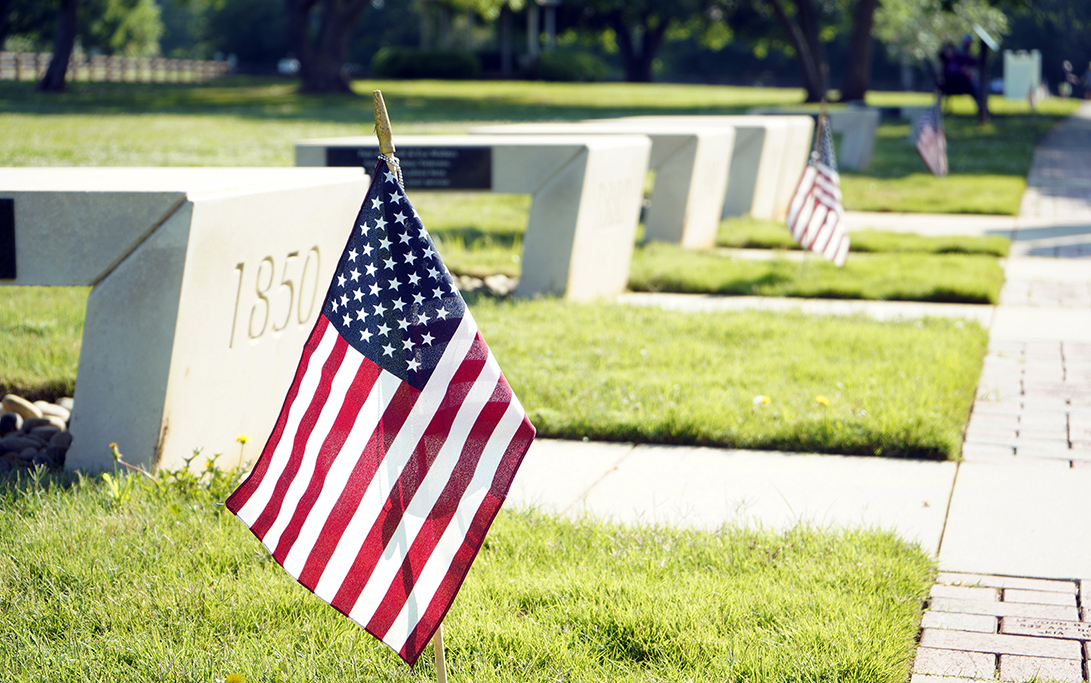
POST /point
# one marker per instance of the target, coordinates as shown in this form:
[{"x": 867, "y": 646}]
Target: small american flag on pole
[
  {"x": 931, "y": 141},
  {"x": 815, "y": 216},
  {"x": 398, "y": 439}
]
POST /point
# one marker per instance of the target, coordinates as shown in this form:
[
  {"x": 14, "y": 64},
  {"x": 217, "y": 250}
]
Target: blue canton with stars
[{"x": 392, "y": 298}]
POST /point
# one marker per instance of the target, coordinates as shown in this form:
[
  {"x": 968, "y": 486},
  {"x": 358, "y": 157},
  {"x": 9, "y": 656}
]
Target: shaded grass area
[
  {"x": 40, "y": 333},
  {"x": 156, "y": 581},
  {"x": 949, "y": 278},
  {"x": 833, "y": 385},
  {"x": 754, "y": 233}
]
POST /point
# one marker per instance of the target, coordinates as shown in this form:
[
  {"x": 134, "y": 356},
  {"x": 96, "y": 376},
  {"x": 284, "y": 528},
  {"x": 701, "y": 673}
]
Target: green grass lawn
[
  {"x": 620, "y": 373},
  {"x": 157, "y": 582},
  {"x": 898, "y": 276},
  {"x": 835, "y": 385},
  {"x": 255, "y": 122}
]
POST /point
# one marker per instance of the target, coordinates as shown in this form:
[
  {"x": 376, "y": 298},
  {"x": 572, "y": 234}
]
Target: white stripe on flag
[
  {"x": 339, "y": 386},
  {"x": 389, "y": 565},
  {"x": 264, "y": 492},
  {"x": 371, "y": 412},
  {"x": 378, "y": 489},
  {"x": 429, "y": 580}
]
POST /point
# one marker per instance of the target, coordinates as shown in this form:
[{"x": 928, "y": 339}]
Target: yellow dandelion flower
[
  {"x": 234, "y": 678},
  {"x": 242, "y": 438},
  {"x": 823, "y": 400}
]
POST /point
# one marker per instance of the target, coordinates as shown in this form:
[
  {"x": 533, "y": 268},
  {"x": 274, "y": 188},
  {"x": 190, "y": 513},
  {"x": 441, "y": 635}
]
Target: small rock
[
  {"x": 17, "y": 404},
  {"x": 500, "y": 284},
  {"x": 53, "y": 409},
  {"x": 16, "y": 443},
  {"x": 66, "y": 402},
  {"x": 62, "y": 440},
  {"x": 57, "y": 455},
  {"x": 43, "y": 459},
  {"x": 27, "y": 454},
  {"x": 46, "y": 432},
  {"x": 10, "y": 422},
  {"x": 33, "y": 423}
]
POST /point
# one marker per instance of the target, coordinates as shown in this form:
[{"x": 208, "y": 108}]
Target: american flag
[
  {"x": 931, "y": 141},
  {"x": 815, "y": 216},
  {"x": 398, "y": 439}
]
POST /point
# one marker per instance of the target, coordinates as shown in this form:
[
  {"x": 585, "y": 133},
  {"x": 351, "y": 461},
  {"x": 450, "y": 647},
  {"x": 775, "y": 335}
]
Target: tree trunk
[
  {"x": 808, "y": 47},
  {"x": 638, "y": 55},
  {"x": 5, "y": 21},
  {"x": 855, "y": 85},
  {"x": 322, "y": 58},
  {"x": 53, "y": 80}
]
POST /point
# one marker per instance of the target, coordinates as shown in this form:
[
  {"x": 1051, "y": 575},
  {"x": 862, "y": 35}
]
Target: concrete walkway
[{"x": 1010, "y": 524}]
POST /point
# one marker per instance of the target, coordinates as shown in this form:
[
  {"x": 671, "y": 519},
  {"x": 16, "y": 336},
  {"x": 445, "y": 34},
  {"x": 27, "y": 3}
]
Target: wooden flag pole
[
  {"x": 382, "y": 125},
  {"x": 441, "y": 659}
]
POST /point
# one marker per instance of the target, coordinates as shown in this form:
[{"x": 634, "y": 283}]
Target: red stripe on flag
[
  {"x": 238, "y": 499},
  {"x": 416, "y": 469},
  {"x": 442, "y": 511},
  {"x": 366, "y": 467},
  {"x": 354, "y": 400},
  {"x": 306, "y": 425},
  {"x": 475, "y": 534}
]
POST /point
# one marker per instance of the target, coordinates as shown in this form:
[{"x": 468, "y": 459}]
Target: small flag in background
[
  {"x": 397, "y": 442},
  {"x": 815, "y": 216},
  {"x": 931, "y": 141}
]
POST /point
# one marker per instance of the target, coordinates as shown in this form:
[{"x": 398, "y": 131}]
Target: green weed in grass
[
  {"x": 168, "y": 585},
  {"x": 835, "y": 385},
  {"x": 905, "y": 276}
]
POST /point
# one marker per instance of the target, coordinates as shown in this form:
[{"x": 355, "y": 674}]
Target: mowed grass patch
[
  {"x": 777, "y": 381},
  {"x": 988, "y": 162},
  {"x": 156, "y": 581},
  {"x": 40, "y": 333},
  {"x": 755, "y": 233},
  {"x": 908, "y": 276}
]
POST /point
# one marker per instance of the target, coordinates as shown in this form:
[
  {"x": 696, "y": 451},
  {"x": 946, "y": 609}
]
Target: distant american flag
[
  {"x": 397, "y": 442},
  {"x": 931, "y": 141},
  {"x": 815, "y": 216}
]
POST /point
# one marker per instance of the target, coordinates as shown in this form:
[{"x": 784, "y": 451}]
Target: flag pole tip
[{"x": 382, "y": 125}]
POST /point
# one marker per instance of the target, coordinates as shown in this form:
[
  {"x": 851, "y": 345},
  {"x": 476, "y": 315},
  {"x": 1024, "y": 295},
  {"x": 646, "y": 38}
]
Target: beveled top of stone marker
[{"x": 181, "y": 180}]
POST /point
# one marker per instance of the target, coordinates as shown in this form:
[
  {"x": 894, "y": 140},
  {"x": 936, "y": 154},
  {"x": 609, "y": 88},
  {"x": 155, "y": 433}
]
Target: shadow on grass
[{"x": 278, "y": 98}]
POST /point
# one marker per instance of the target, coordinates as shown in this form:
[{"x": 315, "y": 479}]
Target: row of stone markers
[{"x": 34, "y": 434}]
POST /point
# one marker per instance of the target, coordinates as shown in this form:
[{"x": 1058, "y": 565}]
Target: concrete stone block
[
  {"x": 954, "y": 663},
  {"x": 981, "y": 594},
  {"x": 1023, "y": 668},
  {"x": 1004, "y": 609},
  {"x": 964, "y": 579},
  {"x": 587, "y": 192},
  {"x": 856, "y": 126},
  {"x": 1001, "y": 644},
  {"x": 767, "y": 162},
  {"x": 206, "y": 283},
  {"x": 956, "y": 621},
  {"x": 1039, "y": 597},
  {"x": 691, "y": 166}
]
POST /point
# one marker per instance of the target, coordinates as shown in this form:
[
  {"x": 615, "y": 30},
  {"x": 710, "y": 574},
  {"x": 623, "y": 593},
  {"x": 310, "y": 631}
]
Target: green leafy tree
[
  {"x": 130, "y": 27},
  {"x": 916, "y": 30},
  {"x": 639, "y": 28}
]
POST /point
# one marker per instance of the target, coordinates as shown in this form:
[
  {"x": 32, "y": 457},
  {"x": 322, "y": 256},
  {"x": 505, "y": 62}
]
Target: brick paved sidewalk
[{"x": 988, "y": 627}]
